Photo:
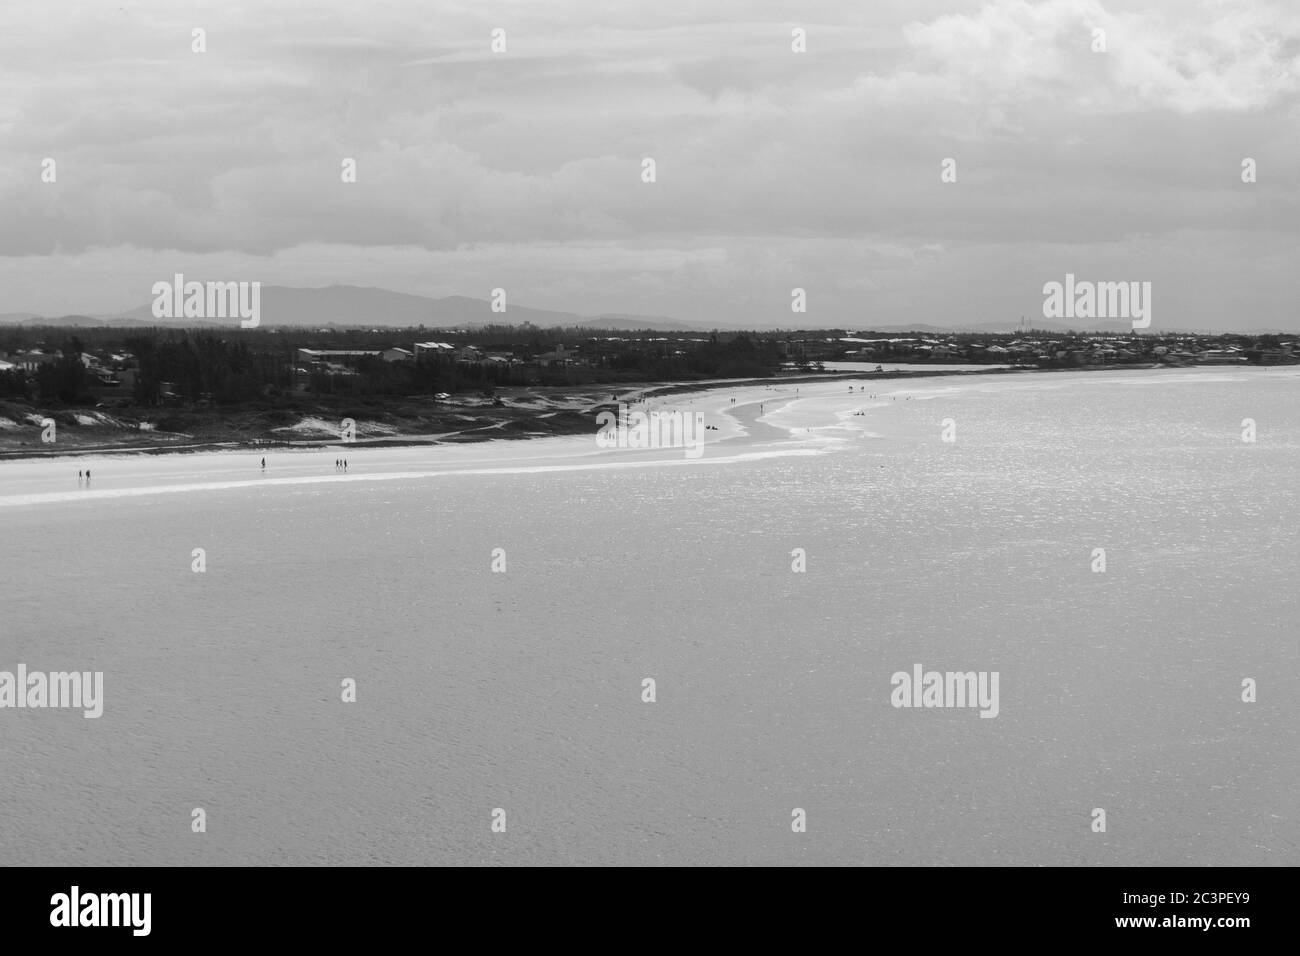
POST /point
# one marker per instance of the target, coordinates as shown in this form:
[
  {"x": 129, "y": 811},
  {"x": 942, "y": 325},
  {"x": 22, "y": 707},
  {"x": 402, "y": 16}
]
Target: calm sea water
[{"x": 522, "y": 690}]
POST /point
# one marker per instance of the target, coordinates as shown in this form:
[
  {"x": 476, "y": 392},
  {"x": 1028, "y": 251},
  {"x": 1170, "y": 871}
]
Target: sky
[{"x": 774, "y": 169}]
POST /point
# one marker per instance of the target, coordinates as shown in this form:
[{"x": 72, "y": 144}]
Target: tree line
[{"x": 204, "y": 366}]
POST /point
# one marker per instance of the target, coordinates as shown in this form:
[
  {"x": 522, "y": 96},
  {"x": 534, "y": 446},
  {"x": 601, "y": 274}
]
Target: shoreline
[
  {"x": 555, "y": 420},
  {"x": 746, "y": 420}
]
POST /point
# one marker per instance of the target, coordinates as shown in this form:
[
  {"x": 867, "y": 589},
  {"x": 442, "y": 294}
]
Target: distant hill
[
  {"x": 95, "y": 321},
  {"x": 350, "y": 306},
  {"x": 359, "y": 306},
  {"x": 657, "y": 323},
  {"x": 70, "y": 320},
  {"x": 1083, "y": 325},
  {"x": 1011, "y": 326},
  {"x": 915, "y": 327}
]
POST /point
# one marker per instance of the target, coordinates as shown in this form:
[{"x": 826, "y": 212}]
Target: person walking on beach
[
  {"x": 88, "y": 474},
  {"x": 78, "y": 476},
  {"x": 263, "y": 464}
]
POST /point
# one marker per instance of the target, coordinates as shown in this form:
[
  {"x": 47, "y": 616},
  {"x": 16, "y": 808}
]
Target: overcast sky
[{"x": 775, "y": 169}]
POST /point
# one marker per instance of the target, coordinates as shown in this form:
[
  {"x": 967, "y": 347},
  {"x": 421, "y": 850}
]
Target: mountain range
[{"x": 349, "y": 306}]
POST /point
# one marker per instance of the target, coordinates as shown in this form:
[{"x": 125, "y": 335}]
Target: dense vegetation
[{"x": 218, "y": 367}]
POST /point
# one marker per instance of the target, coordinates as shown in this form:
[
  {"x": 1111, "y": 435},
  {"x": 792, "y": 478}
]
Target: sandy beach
[{"x": 759, "y": 423}]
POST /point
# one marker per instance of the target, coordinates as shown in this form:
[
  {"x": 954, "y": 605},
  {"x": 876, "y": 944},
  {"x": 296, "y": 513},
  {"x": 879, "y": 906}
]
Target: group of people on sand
[{"x": 339, "y": 463}]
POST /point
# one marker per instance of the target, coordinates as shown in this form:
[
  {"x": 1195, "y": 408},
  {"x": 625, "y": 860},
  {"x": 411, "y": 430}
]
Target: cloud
[{"x": 820, "y": 167}]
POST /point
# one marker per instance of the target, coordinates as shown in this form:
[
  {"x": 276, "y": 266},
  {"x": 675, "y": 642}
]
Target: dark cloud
[{"x": 774, "y": 168}]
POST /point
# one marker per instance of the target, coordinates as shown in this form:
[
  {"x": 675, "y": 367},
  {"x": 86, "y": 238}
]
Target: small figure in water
[
  {"x": 78, "y": 476},
  {"x": 345, "y": 464},
  {"x": 263, "y": 462},
  {"x": 88, "y": 474}
]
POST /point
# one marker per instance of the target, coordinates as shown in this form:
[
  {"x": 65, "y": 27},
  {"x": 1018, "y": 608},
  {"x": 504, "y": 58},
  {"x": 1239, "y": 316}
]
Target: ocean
[{"x": 522, "y": 690}]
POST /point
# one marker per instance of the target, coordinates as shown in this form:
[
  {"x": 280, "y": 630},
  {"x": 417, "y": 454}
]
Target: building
[
  {"x": 1274, "y": 357},
  {"x": 1228, "y": 356},
  {"x": 434, "y": 350},
  {"x": 31, "y": 361},
  {"x": 336, "y": 356}
]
